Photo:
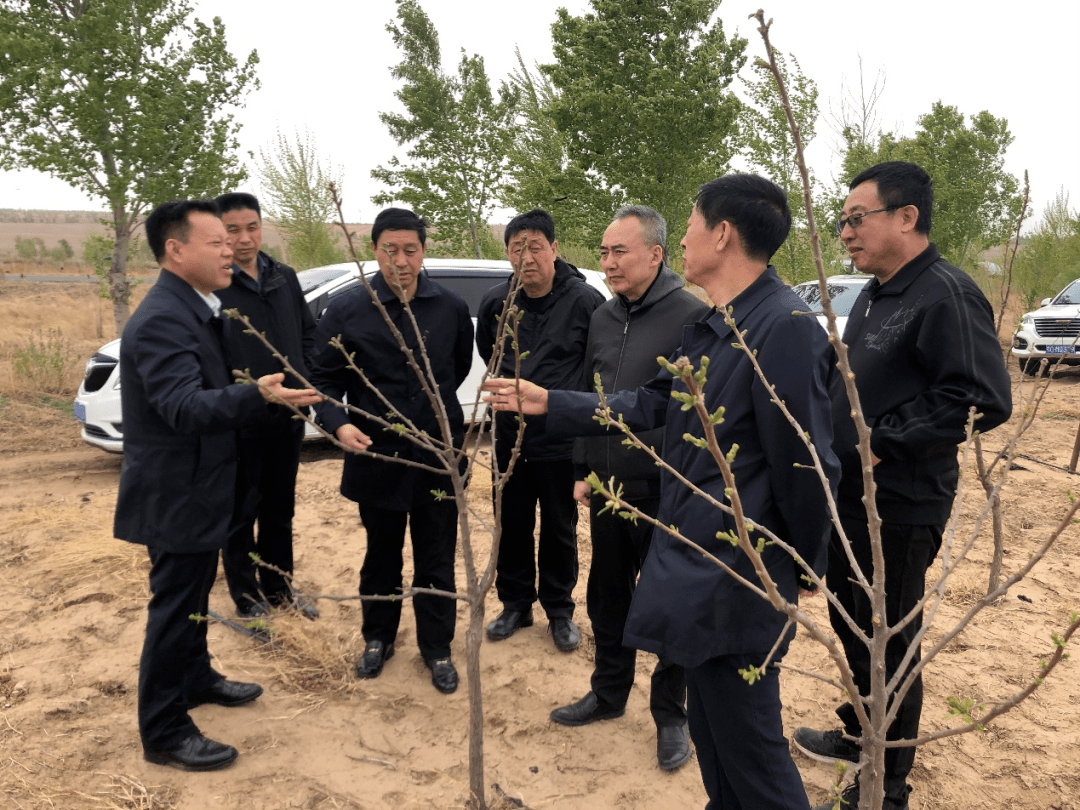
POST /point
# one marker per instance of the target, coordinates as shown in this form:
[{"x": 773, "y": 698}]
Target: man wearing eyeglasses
[
  {"x": 922, "y": 344},
  {"x": 547, "y": 346}
]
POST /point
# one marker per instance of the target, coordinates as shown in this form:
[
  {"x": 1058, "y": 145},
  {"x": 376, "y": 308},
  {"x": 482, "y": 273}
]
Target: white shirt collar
[{"x": 212, "y": 301}]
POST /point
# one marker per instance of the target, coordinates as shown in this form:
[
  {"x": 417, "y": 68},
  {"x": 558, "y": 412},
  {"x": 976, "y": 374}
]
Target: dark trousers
[
  {"x": 908, "y": 551},
  {"x": 739, "y": 736},
  {"x": 551, "y": 485},
  {"x": 433, "y": 529},
  {"x": 175, "y": 661},
  {"x": 265, "y": 492},
  {"x": 619, "y": 547}
]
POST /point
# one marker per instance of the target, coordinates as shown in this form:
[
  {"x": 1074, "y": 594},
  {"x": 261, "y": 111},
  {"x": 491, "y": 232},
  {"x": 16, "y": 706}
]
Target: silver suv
[
  {"x": 1050, "y": 332},
  {"x": 97, "y": 405}
]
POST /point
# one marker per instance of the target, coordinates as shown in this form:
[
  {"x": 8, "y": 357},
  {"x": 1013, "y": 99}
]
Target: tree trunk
[
  {"x": 119, "y": 286},
  {"x": 474, "y": 638}
]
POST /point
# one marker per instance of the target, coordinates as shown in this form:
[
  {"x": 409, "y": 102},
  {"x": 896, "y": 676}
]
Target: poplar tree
[{"x": 127, "y": 102}]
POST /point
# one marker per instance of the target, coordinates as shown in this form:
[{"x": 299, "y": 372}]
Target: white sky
[{"x": 325, "y": 67}]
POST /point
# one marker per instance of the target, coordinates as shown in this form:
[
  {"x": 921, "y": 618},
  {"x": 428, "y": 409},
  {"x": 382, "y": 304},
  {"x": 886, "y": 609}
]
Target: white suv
[
  {"x": 97, "y": 405},
  {"x": 1050, "y": 332}
]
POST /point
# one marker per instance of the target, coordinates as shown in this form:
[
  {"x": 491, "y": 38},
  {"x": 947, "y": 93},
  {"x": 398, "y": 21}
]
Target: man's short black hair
[
  {"x": 238, "y": 201},
  {"x": 536, "y": 220},
  {"x": 757, "y": 208},
  {"x": 900, "y": 183},
  {"x": 398, "y": 219},
  {"x": 170, "y": 221}
]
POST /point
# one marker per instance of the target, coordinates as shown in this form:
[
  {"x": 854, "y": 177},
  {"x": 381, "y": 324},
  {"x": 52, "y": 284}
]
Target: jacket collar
[
  {"x": 745, "y": 302},
  {"x": 425, "y": 288},
  {"x": 905, "y": 275},
  {"x": 667, "y": 281},
  {"x": 186, "y": 293}
]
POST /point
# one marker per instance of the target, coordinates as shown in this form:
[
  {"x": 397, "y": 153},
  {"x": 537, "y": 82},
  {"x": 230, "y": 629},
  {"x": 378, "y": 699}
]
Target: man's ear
[
  {"x": 656, "y": 255},
  {"x": 722, "y": 234},
  {"x": 173, "y": 247},
  {"x": 555, "y": 247},
  {"x": 909, "y": 216}
]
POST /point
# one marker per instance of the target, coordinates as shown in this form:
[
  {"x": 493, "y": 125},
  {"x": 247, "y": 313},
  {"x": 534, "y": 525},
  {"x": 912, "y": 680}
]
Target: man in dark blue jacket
[
  {"x": 181, "y": 415},
  {"x": 922, "y": 344},
  {"x": 391, "y": 494},
  {"x": 268, "y": 294},
  {"x": 556, "y": 304},
  {"x": 686, "y": 608},
  {"x": 644, "y": 320}
]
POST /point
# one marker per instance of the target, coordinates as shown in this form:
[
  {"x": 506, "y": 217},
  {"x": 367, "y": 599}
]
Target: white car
[
  {"x": 97, "y": 405},
  {"x": 1050, "y": 332},
  {"x": 843, "y": 290}
]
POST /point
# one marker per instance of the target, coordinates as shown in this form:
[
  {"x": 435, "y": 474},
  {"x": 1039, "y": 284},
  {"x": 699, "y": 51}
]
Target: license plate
[
  {"x": 1061, "y": 349},
  {"x": 80, "y": 411}
]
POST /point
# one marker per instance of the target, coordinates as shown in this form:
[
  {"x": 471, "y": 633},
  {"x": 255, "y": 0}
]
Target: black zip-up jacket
[
  {"x": 553, "y": 331},
  {"x": 924, "y": 350},
  {"x": 447, "y": 330},
  {"x": 276, "y": 307},
  {"x": 625, "y": 339}
]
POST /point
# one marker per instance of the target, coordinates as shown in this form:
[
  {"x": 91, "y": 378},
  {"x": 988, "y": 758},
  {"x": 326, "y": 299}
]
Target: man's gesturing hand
[
  {"x": 272, "y": 390},
  {"x": 515, "y": 395},
  {"x": 351, "y": 436}
]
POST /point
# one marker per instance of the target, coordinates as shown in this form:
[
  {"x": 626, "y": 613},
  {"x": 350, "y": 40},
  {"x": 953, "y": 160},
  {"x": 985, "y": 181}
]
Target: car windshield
[
  {"x": 842, "y": 295},
  {"x": 310, "y": 279},
  {"x": 1070, "y": 295}
]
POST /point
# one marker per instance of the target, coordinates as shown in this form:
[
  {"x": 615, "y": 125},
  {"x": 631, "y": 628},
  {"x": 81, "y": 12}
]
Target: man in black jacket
[
  {"x": 923, "y": 348},
  {"x": 644, "y": 320},
  {"x": 390, "y": 494},
  {"x": 181, "y": 415},
  {"x": 268, "y": 294},
  {"x": 556, "y": 304}
]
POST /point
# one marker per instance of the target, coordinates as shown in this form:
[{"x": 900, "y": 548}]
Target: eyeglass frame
[{"x": 855, "y": 220}]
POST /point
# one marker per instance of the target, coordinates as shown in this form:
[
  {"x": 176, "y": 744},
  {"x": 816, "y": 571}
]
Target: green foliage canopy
[
  {"x": 643, "y": 99},
  {"x": 127, "y": 102},
  {"x": 976, "y": 202},
  {"x": 458, "y": 136},
  {"x": 295, "y": 189},
  {"x": 1050, "y": 257}
]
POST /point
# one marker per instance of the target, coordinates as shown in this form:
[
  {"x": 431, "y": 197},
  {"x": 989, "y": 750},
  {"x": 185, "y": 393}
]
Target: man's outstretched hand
[
  {"x": 506, "y": 394},
  {"x": 272, "y": 390}
]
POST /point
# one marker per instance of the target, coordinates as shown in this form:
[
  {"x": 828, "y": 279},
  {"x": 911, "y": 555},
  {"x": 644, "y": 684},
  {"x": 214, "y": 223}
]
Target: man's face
[
  {"x": 205, "y": 260},
  {"x": 533, "y": 257},
  {"x": 401, "y": 257},
  {"x": 244, "y": 229},
  {"x": 629, "y": 264},
  {"x": 699, "y": 249},
  {"x": 873, "y": 245}
]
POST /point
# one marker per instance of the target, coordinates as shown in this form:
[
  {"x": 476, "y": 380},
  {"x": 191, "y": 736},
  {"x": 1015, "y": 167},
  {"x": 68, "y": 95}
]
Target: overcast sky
[{"x": 324, "y": 66}]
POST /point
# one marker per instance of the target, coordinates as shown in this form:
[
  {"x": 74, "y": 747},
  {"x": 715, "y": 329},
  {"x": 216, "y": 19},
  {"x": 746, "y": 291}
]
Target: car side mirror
[{"x": 1046, "y": 302}]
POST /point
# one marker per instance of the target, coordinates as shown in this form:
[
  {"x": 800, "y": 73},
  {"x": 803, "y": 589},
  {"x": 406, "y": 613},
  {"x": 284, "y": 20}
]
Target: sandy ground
[{"x": 319, "y": 738}]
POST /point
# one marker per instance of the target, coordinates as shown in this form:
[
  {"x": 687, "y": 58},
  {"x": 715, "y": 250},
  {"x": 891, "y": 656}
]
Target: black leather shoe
[
  {"x": 253, "y": 610},
  {"x": 672, "y": 747},
  {"x": 508, "y": 622},
  {"x": 587, "y": 710},
  {"x": 371, "y": 662},
  {"x": 226, "y": 693},
  {"x": 196, "y": 753},
  {"x": 443, "y": 675},
  {"x": 566, "y": 634}
]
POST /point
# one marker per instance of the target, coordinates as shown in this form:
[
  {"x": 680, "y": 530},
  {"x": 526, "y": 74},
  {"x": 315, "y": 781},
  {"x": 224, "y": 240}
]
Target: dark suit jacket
[{"x": 181, "y": 412}]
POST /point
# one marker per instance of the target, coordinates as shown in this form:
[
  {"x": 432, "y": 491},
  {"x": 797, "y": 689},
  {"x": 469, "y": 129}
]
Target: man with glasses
[
  {"x": 922, "y": 344},
  {"x": 556, "y": 303},
  {"x": 433, "y": 320}
]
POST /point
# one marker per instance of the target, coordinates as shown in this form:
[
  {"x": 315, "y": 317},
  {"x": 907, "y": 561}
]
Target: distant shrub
[{"x": 45, "y": 362}]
